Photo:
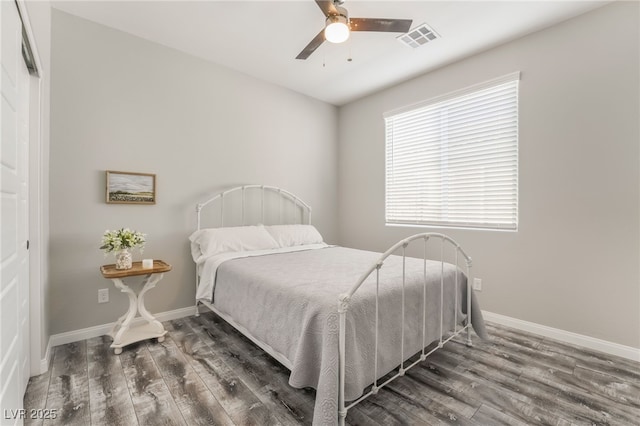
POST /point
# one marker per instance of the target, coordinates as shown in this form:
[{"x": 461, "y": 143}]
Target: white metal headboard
[{"x": 297, "y": 203}]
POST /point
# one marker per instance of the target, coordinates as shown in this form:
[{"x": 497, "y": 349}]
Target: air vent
[{"x": 418, "y": 36}]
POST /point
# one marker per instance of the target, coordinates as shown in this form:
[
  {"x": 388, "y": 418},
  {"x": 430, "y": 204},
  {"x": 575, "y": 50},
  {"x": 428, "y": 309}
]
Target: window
[{"x": 453, "y": 161}]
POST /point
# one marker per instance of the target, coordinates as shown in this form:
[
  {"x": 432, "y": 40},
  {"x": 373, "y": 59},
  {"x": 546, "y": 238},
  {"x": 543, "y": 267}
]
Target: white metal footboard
[{"x": 343, "y": 307}]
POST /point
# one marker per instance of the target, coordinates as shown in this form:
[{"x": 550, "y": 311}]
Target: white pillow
[
  {"x": 294, "y": 235},
  {"x": 212, "y": 241}
]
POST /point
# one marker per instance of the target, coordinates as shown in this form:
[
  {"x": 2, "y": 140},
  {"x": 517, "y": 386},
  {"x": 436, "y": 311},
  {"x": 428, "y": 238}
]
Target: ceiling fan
[{"x": 339, "y": 25}]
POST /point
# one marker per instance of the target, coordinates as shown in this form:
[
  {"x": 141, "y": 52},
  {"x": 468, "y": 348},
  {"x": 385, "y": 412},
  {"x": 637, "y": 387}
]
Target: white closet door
[{"x": 14, "y": 264}]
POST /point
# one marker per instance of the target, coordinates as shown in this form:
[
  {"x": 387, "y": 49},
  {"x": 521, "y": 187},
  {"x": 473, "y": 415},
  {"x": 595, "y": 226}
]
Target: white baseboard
[
  {"x": 100, "y": 330},
  {"x": 45, "y": 362},
  {"x": 566, "y": 336}
]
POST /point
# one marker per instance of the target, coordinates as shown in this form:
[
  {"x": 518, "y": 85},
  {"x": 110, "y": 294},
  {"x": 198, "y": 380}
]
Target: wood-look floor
[{"x": 206, "y": 373}]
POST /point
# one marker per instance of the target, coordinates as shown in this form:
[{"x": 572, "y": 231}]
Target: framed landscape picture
[{"x": 131, "y": 188}]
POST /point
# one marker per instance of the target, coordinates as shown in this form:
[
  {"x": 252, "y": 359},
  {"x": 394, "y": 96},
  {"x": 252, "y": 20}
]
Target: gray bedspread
[{"x": 290, "y": 300}]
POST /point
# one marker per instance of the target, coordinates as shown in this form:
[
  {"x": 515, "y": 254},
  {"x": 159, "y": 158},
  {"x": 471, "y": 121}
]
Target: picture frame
[{"x": 130, "y": 188}]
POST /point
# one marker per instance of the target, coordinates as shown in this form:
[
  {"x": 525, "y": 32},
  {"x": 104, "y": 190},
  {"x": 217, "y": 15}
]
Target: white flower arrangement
[{"x": 122, "y": 239}]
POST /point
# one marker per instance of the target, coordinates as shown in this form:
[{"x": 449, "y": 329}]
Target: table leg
[
  {"x": 150, "y": 282},
  {"x": 128, "y": 317},
  {"x": 118, "y": 323}
]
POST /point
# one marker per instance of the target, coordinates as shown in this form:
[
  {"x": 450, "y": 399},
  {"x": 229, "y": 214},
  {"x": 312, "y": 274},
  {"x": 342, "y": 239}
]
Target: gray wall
[
  {"x": 122, "y": 103},
  {"x": 573, "y": 264}
]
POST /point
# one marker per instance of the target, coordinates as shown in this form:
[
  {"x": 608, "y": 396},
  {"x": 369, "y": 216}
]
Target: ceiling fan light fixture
[
  {"x": 338, "y": 26},
  {"x": 337, "y": 29}
]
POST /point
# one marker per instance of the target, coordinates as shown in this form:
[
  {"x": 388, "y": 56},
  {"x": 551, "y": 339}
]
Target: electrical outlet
[
  {"x": 477, "y": 284},
  {"x": 103, "y": 295}
]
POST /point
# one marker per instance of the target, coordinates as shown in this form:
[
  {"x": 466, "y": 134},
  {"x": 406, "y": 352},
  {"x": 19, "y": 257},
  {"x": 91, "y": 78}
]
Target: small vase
[{"x": 124, "y": 260}]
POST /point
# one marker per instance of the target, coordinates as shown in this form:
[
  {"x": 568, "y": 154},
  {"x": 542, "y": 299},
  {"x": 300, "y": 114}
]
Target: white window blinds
[{"x": 453, "y": 161}]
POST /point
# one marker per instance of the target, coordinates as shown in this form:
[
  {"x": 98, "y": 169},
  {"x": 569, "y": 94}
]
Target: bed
[{"x": 339, "y": 319}]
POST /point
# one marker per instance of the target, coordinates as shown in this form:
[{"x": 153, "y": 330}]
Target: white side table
[{"x": 123, "y": 332}]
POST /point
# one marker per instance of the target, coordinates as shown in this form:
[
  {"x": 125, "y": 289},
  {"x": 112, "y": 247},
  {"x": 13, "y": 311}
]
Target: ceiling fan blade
[
  {"x": 327, "y": 7},
  {"x": 312, "y": 46},
  {"x": 381, "y": 24}
]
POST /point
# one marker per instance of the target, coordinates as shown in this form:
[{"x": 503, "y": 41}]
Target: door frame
[{"x": 38, "y": 211}]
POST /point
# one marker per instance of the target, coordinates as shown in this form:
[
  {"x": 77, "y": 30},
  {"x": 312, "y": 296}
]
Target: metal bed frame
[{"x": 302, "y": 210}]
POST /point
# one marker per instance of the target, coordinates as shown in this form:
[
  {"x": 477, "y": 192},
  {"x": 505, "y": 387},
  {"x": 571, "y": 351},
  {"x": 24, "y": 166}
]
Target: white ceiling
[{"x": 262, "y": 38}]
